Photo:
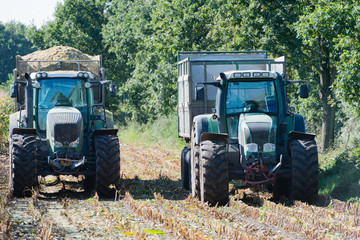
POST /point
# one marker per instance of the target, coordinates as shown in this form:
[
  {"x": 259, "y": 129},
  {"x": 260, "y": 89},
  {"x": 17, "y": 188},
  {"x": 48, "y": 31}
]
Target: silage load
[{"x": 57, "y": 59}]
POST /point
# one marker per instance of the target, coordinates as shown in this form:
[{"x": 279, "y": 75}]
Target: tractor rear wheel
[
  {"x": 23, "y": 178},
  {"x": 304, "y": 170},
  {"x": 195, "y": 153},
  {"x": 185, "y": 168},
  {"x": 107, "y": 152},
  {"x": 214, "y": 180}
]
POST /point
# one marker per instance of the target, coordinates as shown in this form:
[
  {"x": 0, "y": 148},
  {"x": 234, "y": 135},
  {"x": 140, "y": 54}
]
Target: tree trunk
[{"x": 326, "y": 95}]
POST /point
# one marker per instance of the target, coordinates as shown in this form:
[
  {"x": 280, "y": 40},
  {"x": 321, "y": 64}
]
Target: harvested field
[{"x": 152, "y": 205}]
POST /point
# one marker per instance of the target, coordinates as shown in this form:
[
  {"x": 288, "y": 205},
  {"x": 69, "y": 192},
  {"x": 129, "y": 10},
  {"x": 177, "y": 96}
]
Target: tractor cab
[
  {"x": 65, "y": 91},
  {"x": 252, "y": 116}
]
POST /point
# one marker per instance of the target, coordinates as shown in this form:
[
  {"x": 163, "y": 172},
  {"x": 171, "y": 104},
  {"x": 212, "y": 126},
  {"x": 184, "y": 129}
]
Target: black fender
[
  {"x": 300, "y": 136},
  {"x": 214, "y": 136},
  {"x": 201, "y": 125},
  {"x": 23, "y": 131},
  {"x": 299, "y": 123},
  {"x": 105, "y": 131}
]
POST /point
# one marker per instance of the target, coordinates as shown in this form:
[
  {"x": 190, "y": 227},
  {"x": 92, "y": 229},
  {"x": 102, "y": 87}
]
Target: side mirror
[
  {"x": 304, "y": 91},
  {"x": 113, "y": 90},
  {"x": 13, "y": 91},
  {"x": 199, "y": 93}
]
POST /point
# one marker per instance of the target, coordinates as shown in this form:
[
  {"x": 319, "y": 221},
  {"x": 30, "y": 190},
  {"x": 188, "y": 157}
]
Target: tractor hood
[
  {"x": 257, "y": 133},
  {"x": 64, "y": 127}
]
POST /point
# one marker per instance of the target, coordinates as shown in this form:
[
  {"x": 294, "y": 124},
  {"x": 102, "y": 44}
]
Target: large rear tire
[
  {"x": 185, "y": 169},
  {"x": 214, "y": 179},
  {"x": 107, "y": 151},
  {"x": 304, "y": 170},
  {"x": 23, "y": 178},
  {"x": 195, "y": 153}
]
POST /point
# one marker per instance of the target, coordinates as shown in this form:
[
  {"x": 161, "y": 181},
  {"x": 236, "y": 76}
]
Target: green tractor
[
  {"x": 61, "y": 127},
  {"x": 251, "y": 135}
]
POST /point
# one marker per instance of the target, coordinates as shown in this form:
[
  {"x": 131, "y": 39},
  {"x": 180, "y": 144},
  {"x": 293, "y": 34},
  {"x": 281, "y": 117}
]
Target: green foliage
[
  {"x": 340, "y": 167},
  {"x": 340, "y": 174},
  {"x": 5, "y": 86},
  {"x": 146, "y": 36},
  {"x": 77, "y": 24},
  {"x": 6, "y": 107},
  {"x": 12, "y": 43},
  {"x": 348, "y": 45},
  {"x": 162, "y": 132}
]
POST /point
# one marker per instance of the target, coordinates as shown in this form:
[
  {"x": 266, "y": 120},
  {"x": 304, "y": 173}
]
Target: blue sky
[{"x": 28, "y": 11}]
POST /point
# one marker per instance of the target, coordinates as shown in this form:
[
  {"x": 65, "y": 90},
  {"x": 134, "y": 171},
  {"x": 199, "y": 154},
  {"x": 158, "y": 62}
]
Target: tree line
[{"x": 139, "y": 41}]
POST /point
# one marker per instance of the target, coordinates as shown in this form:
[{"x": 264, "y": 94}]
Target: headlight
[
  {"x": 74, "y": 143},
  {"x": 269, "y": 147},
  {"x": 251, "y": 147},
  {"x": 57, "y": 144},
  {"x": 41, "y": 75},
  {"x": 256, "y": 74}
]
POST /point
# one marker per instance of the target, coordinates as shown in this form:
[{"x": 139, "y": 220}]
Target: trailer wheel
[
  {"x": 185, "y": 168},
  {"x": 23, "y": 178},
  {"x": 214, "y": 180},
  {"x": 107, "y": 151},
  {"x": 304, "y": 170},
  {"x": 195, "y": 153}
]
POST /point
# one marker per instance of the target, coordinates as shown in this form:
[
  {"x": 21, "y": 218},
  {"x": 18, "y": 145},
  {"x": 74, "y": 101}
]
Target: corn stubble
[{"x": 152, "y": 205}]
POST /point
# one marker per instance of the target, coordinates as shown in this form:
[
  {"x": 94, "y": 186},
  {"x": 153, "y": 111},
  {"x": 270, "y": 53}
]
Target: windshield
[
  {"x": 245, "y": 97},
  {"x": 60, "y": 92},
  {"x": 251, "y": 96}
]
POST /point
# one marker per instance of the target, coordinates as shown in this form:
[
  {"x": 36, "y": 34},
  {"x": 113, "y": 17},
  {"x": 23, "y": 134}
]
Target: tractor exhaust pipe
[{"x": 29, "y": 104}]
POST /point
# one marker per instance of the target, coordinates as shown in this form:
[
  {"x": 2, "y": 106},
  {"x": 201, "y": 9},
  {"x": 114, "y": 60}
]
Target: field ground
[{"x": 152, "y": 205}]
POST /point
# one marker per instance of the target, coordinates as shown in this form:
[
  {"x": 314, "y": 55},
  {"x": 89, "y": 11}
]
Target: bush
[
  {"x": 340, "y": 167},
  {"x": 6, "y": 107},
  {"x": 161, "y": 132}
]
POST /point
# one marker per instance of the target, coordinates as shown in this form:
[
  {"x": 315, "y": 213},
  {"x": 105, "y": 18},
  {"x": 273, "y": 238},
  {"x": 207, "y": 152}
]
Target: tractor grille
[
  {"x": 260, "y": 133},
  {"x": 65, "y": 126}
]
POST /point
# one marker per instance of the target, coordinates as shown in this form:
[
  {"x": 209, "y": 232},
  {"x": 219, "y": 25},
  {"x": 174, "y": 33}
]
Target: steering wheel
[{"x": 253, "y": 103}]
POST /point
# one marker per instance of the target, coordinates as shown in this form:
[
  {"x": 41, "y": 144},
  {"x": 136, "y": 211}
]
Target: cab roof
[
  {"x": 61, "y": 74},
  {"x": 246, "y": 74}
]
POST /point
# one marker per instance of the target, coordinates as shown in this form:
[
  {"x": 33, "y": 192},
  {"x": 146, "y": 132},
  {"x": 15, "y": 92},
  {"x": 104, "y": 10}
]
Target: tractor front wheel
[
  {"x": 214, "y": 180},
  {"x": 107, "y": 152},
  {"x": 23, "y": 178},
  {"x": 304, "y": 170},
  {"x": 194, "y": 166}
]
